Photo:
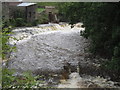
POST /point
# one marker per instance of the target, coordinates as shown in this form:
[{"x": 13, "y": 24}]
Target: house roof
[{"x": 25, "y": 4}]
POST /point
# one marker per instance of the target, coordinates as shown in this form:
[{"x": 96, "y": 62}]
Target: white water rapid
[{"x": 47, "y": 47}]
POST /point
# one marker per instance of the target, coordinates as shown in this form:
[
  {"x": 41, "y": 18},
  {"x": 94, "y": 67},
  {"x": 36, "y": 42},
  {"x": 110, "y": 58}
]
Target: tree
[{"x": 102, "y": 23}]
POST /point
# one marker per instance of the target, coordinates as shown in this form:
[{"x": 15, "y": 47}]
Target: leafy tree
[{"x": 102, "y": 23}]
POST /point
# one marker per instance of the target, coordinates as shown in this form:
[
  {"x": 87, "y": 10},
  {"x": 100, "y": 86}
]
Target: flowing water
[{"x": 47, "y": 48}]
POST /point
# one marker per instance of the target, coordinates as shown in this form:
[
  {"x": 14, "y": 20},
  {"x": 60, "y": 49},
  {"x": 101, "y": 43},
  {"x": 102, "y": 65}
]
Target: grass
[
  {"x": 47, "y": 4},
  {"x": 40, "y": 9}
]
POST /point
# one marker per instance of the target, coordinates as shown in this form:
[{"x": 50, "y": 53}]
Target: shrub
[
  {"x": 34, "y": 23},
  {"x": 19, "y": 22},
  {"x": 26, "y": 80},
  {"x": 6, "y": 48},
  {"x": 43, "y": 18}
]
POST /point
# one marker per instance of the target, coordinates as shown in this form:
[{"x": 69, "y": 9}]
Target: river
[{"x": 48, "y": 48}]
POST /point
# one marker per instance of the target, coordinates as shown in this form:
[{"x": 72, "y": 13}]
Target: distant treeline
[{"x": 47, "y": 3}]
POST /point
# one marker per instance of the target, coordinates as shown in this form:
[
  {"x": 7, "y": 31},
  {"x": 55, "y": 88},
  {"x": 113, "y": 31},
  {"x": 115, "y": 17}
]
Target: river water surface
[{"x": 47, "y": 48}]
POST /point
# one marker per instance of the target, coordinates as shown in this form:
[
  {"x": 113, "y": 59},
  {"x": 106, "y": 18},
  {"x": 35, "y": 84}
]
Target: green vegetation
[
  {"x": 6, "y": 48},
  {"x": 102, "y": 23},
  {"x": 48, "y": 4},
  {"x": 64, "y": 11},
  {"x": 19, "y": 20},
  {"x": 43, "y": 19},
  {"x": 40, "y": 10},
  {"x": 25, "y": 80},
  {"x": 0, "y": 44}
]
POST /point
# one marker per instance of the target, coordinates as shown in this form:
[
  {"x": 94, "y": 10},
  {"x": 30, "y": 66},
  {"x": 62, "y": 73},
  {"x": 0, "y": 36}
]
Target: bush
[
  {"x": 6, "y": 48},
  {"x": 115, "y": 62},
  {"x": 43, "y": 18},
  {"x": 19, "y": 22},
  {"x": 34, "y": 23},
  {"x": 26, "y": 80},
  {"x": 28, "y": 25}
]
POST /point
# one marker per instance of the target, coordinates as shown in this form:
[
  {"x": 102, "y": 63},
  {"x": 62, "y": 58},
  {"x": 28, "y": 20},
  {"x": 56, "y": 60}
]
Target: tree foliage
[
  {"x": 6, "y": 48},
  {"x": 26, "y": 80},
  {"x": 102, "y": 23}
]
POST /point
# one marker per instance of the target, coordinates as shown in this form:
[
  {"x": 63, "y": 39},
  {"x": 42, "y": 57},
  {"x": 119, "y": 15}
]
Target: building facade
[
  {"x": 30, "y": 11},
  {"x": 12, "y": 10}
]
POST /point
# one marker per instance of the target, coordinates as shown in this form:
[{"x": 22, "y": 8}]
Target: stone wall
[
  {"x": 9, "y": 9},
  {"x": 31, "y": 13},
  {"x": 5, "y": 11}
]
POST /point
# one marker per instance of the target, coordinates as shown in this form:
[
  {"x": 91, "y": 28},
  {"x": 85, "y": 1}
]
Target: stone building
[
  {"x": 52, "y": 13},
  {"x": 8, "y": 9},
  {"x": 49, "y": 9},
  {"x": 27, "y": 9}
]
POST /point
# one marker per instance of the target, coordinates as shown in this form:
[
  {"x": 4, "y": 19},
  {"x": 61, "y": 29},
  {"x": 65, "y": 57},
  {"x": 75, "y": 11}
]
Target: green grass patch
[{"x": 40, "y": 9}]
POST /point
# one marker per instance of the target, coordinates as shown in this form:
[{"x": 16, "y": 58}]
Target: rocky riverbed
[{"x": 47, "y": 48}]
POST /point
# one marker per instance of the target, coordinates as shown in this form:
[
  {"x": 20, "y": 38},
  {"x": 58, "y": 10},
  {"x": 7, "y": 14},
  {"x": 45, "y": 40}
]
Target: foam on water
[
  {"x": 24, "y": 34},
  {"x": 76, "y": 81},
  {"x": 46, "y": 49}
]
